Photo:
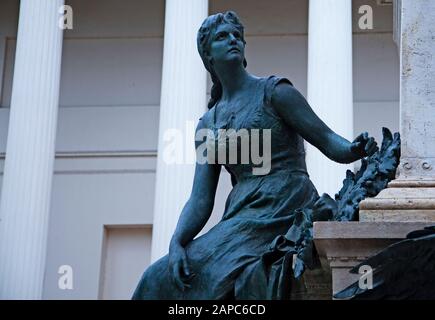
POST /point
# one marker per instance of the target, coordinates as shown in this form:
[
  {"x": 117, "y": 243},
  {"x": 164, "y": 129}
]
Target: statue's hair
[{"x": 209, "y": 25}]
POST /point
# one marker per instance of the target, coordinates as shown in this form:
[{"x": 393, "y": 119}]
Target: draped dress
[{"x": 259, "y": 208}]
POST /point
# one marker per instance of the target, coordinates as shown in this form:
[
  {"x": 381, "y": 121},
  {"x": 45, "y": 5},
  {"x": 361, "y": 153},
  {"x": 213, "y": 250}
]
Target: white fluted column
[
  {"x": 25, "y": 201},
  {"x": 330, "y": 83},
  {"x": 183, "y": 101}
]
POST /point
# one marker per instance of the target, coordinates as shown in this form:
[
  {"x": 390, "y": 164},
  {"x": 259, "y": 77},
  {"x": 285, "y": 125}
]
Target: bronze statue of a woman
[{"x": 260, "y": 207}]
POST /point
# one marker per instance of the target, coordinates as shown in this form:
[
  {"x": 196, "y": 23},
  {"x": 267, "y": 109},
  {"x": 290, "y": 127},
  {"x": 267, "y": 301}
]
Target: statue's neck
[{"x": 233, "y": 79}]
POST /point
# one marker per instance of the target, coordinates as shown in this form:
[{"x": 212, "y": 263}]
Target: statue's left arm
[{"x": 294, "y": 109}]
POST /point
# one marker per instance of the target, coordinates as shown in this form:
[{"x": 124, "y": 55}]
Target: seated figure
[{"x": 260, "y": 207}]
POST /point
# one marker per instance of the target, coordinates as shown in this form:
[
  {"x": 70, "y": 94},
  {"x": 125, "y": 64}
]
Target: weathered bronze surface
[{"x": 268, "y": 216}]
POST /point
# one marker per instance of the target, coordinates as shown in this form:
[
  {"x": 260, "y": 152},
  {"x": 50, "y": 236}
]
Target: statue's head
[{"x": 219, "y": 33}]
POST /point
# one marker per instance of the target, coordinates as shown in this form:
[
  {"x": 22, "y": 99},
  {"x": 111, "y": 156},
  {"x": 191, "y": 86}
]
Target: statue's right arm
[
  {"x": 198, "y": 208},
  {"x": 193, "y": 218}
]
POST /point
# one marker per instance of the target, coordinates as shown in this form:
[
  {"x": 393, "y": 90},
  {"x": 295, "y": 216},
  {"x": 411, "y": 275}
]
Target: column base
[{"x": 404, "y": 200}]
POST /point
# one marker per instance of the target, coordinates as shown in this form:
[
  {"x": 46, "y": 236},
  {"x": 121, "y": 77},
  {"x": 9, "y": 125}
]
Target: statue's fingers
[
  {"x": 355, "y": 146},
  {"x": 358, "y": 138},
  {"x": 186, "y": 268},
  {"x": 177, "y": 276},
  {"x": 362, "y": 137},
  {"x": 369, "y": 143},
  {"x": 365, "y": 136},
  {"x": 371, "y": 146},
  {"x": 191, "y": 276},
  {"x": 373, "y": 150}
]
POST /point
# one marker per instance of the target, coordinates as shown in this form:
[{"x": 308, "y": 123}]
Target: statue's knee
[
  {"x": 151, "y": 280},
  {"x": 145, "y": 286},
  {"x": 150, "y": 275}
]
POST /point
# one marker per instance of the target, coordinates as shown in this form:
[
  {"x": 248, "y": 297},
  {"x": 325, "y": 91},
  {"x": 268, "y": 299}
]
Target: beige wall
[{"x": 109, "y": 109}]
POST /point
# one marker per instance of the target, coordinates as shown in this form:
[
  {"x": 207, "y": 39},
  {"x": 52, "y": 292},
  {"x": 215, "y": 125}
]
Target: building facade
[{"x": 126, "y": 72}]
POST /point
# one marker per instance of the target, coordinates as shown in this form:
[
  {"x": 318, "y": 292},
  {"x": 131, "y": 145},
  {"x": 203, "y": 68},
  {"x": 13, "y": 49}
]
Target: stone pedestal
[
  {"x": 343, "y": 245},
  {"x": 313, "y": 285}
]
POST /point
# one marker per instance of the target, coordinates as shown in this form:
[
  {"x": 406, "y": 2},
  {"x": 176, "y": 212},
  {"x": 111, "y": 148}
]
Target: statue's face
[{"x": 227, "y": 45}]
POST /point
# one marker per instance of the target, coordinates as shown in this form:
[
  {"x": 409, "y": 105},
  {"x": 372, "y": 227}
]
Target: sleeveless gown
[{"x": 258, "y": 209}]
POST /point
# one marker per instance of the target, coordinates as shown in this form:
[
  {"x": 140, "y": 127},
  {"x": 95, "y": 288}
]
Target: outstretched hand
[
  {"x": 179, "y": 266},
  {"x": 364, "y": 146}
]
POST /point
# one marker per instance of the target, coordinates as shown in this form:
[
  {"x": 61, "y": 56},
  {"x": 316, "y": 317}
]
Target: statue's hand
[
  {"x": 363, "y": 145},
  {"x": 179, "y": 267}
]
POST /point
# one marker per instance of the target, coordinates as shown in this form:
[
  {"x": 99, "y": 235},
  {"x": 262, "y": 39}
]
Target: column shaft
[
  {"x": 330, "y": 91},
  {"x": 183, "y": 100},
  {"x": 25, "y": 201}
]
